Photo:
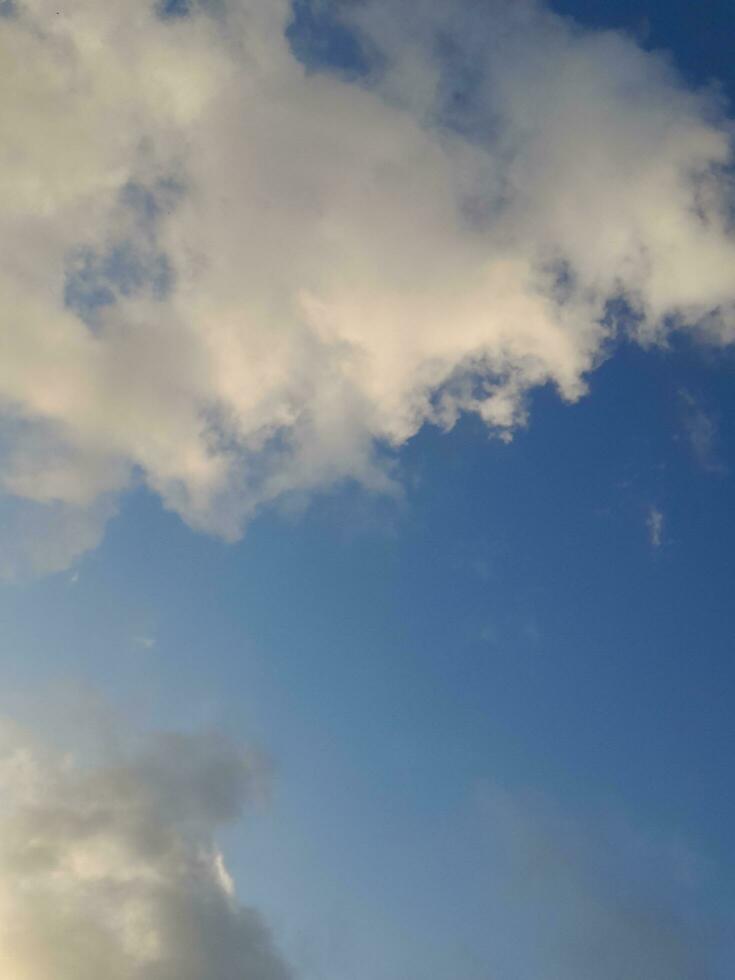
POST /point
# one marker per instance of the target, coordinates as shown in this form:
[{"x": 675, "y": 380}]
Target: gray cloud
[
  {"x": 111, "y": 869},
  {"x": 237, "y": 280}
]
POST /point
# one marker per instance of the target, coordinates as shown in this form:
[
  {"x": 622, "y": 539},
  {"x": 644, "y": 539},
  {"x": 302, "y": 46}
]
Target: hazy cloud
[
  {"x": 593, "y": 900},
  {"x": 145, "y": 641},
  {"x": 111, "y": 869},
  {"x": 235, "y": 279}
]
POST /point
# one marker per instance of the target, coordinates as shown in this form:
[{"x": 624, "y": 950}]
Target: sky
[{"x": 366, "y": 527}]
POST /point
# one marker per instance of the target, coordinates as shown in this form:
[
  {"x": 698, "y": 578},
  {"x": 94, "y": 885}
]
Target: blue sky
[
  {"x": 508, "y": 621},
  {"x": 489, "y": 666}
]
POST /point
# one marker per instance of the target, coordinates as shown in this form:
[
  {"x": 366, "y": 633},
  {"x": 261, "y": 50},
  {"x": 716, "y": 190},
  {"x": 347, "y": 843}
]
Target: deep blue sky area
[{"x": 552, "y": 616}]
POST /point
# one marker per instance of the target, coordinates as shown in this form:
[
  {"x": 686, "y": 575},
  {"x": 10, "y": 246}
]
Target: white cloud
[
  {"x": 235, "y": 280},
  {"x": 110, "y": 869}
]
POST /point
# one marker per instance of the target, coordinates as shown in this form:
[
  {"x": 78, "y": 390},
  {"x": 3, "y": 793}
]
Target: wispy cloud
[
  {"x": 238, "y": 280},
  {"x": 701, "y": 432},
  {"x": 655, "y": 525}
]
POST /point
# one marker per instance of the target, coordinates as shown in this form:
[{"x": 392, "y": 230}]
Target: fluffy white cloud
[
  {"x": 111, "y": 869},
  {"x": 234, "y": 279}
]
